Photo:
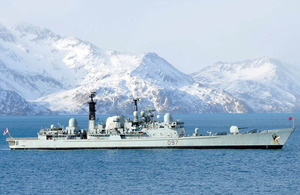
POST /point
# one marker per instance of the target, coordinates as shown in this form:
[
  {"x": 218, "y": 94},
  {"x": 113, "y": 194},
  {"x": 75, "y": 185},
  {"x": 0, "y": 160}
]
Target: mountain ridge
[
  {"x": 264, "y": 83},
  {"x": 58, "y": 73}
]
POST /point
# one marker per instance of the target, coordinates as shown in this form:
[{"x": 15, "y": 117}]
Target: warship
[{"x": 143, "y": 132}]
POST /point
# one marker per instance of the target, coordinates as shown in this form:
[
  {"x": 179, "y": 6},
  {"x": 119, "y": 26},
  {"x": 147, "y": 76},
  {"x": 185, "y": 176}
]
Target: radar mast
[
  {"x": 92, "y": 112},
  {"x": 135, "y": 113}
]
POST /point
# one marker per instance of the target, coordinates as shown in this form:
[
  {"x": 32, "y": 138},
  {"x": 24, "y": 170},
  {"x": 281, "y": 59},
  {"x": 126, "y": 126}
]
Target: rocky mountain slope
[{"x": 13, "y": 104}]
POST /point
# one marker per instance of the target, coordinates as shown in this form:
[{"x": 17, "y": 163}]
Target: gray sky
[{"x": 188, "y": 34}]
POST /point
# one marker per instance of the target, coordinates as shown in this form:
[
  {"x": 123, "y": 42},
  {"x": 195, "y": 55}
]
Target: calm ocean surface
[{"x": 160, "y": 171}]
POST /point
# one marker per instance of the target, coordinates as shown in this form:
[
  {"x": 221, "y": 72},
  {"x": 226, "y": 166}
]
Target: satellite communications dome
[
  {"x": 234, "y": 130},
  {"x": 73, "y": 122},
  {"x": 168, "y": 118}
]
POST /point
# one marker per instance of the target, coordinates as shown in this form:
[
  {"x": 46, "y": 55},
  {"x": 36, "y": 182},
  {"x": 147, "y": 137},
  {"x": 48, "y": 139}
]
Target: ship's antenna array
[
  {"x": 150, "y": 108},
  {"x": 135, "y": 101},
  {"x": 59, "y": 125}
]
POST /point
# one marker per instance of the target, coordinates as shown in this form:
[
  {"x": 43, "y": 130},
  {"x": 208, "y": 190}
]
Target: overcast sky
[{"x": 188, "y": 34}]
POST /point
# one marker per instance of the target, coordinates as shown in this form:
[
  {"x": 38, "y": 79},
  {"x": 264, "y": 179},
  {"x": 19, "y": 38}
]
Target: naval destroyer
[{"x": 144, "y": 132}]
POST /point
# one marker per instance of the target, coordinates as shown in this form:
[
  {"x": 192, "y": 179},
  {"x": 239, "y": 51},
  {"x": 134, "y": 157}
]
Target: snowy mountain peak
[
  {"x": 159, "y": 71},
  {"x": 36, "y": 32},
  {"x": 263, "y": 60},
  {"x": 256, "y": 63},
  {"x": 265, "y": 84},
  {"x": 258, "y": 69},
  {"x": 5, "y": 34}
]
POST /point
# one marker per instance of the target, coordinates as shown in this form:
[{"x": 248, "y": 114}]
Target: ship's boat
[{"x": 144, "y": 132}]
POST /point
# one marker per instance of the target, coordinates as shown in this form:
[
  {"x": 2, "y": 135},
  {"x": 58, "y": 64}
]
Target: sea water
[{"x": 152, "y": 171}]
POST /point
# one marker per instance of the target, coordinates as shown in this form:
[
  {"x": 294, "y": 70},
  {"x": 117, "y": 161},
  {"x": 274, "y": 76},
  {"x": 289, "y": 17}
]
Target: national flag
[
  {"x": 291, "y": 118},
  {"x": 6, "y": 131}
]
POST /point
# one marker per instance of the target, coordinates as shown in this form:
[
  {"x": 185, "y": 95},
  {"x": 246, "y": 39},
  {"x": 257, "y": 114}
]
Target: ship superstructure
[{"x": 144, "y": 131}]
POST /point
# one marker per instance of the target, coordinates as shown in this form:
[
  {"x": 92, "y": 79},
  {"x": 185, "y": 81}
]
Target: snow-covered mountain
[
  {"x": 265, "y": 84},
  {"x": 60, "y": 72},
  {"x": 13, "y": 104},
  {"x": 148, "y": 77}
]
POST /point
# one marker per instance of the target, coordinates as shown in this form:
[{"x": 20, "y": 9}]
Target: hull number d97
[{"x": 172, "y": 142}]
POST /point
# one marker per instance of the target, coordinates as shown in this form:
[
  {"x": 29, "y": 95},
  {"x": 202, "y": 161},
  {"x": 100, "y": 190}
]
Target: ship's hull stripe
[{"x": 163, "y": 147}]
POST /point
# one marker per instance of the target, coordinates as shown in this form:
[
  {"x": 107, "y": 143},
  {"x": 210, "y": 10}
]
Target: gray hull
[{"x": 261, "y": 140}]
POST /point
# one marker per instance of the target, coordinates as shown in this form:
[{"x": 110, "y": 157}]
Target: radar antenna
[
  {"x": 92, "y": 95},
  {"x": 135, "y": 100},
  {"x": 60, "y": 125},
  {"x": 150, "y": 116},
  {"x": 150, "y": 108}
]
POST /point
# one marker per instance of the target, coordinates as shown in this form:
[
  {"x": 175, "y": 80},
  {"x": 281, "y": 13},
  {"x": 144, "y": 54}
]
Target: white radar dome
[
  {"x": 73, "y": 122},
  {"x": 234, "y": 130},
  {"x": 168, "y": 118}
]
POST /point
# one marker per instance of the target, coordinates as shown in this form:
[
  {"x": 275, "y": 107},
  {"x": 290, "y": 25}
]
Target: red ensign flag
[{"x": 6, "y": 131}]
